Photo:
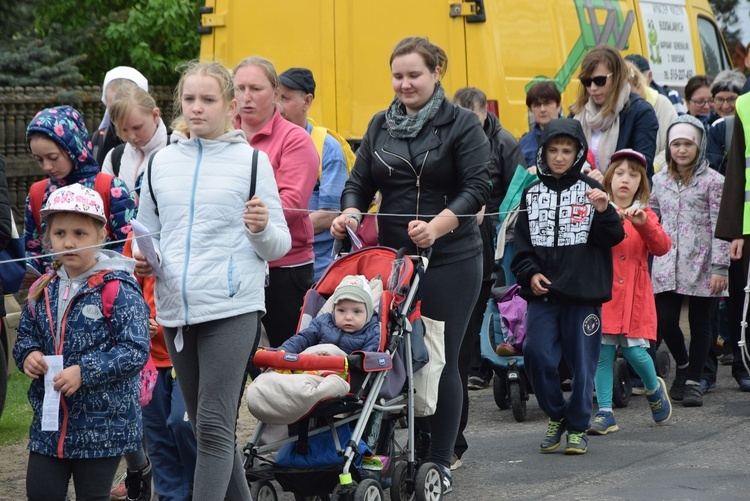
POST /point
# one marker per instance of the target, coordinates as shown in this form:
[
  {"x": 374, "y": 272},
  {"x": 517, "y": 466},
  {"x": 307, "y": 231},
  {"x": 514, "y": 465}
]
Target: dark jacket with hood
[
  {"x": 444, "y": 167},
  {"x": 64, "y": 126},
  {"x": 561, "y": 235}
]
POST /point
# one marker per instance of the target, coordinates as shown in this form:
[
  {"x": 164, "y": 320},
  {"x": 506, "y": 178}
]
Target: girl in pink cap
[
  {"x": 629, "y": 318},
  {"x": 687, "y": 196},
  {"x": 83, "y": 338}
]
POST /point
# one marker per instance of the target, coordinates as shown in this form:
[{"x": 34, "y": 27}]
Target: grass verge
[{"x": 16, "y": 419}]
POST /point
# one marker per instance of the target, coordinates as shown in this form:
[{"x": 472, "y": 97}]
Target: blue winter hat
[{"x": 65, "y": 126}]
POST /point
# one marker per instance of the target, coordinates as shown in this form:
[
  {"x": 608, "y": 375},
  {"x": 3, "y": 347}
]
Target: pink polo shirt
[{"x": 295, "y": 165}]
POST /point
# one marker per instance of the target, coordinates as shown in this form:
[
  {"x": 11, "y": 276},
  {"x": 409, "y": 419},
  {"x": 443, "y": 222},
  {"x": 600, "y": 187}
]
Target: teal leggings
[{"x": 604, "y": 380}]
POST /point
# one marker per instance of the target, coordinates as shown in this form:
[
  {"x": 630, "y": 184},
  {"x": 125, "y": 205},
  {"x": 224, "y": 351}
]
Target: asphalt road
[{"x": 701, "y": 454}]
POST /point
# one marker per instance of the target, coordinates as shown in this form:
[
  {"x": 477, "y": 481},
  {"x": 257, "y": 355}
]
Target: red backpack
[{"x": 102, "y": 185}]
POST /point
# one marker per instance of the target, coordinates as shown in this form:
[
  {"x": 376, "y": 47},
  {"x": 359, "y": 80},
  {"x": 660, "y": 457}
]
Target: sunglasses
[{"x": 600, "y": 81}]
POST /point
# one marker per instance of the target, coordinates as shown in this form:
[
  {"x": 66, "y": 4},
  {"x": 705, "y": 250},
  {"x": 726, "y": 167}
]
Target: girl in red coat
[{"x": 629, "y": 319}]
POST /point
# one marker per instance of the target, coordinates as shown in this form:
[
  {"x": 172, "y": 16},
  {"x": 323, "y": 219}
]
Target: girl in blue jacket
[{"x": 86, "y": 316}]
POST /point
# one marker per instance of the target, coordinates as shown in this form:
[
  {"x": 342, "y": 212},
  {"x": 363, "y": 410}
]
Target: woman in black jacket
[{"x": 429, "y": 159}]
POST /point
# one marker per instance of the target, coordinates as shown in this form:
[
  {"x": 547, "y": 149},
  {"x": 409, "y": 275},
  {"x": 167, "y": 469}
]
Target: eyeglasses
[
  {"x": 720, "y": 102},
  {"x": 544, "y": 104},
  {"x": 703, "y": 102},
  {"x": 600, "y": 81}
]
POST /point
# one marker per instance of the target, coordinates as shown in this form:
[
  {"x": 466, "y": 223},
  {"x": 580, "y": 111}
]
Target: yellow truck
[{"x": 500, "y": 46}]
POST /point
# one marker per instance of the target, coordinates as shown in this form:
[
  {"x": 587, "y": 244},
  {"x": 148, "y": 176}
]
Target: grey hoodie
[{"x": 105, "y": 260}]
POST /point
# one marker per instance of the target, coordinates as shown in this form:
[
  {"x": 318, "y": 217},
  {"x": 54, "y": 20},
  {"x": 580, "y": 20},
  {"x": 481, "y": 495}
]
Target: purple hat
[{"x": 629, "y": 153}]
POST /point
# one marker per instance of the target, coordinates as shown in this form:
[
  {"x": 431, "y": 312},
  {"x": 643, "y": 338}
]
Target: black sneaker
[
  {"x": 447, "y": 479},
  {"x": 693, "y": 397},
  {"x": 555, "y": 430},
  {"x": 138, "y": 483},
  {"x": 677, "y": 391},
  {"x": 477, "y": 383}
]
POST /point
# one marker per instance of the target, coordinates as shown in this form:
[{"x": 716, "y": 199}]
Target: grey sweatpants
[{"x": 210, "y": 370}]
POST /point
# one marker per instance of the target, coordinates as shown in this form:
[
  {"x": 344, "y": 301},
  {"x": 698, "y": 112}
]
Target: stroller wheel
[
  {"x": 500, "y": 391},
  {"x": 429, "y": 483},
  {"x": 263, "y": 490},
  {"x": 663, "y": 363},
  {"x": 517, "y": 402},
  {"x": 399, "y": 483},
  {"x": 622, "y": 387},
  {"x": 369, "y": 490}
]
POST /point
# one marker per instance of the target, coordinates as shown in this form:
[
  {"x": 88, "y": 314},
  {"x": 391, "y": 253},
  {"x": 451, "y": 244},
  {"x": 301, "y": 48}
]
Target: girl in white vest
[{"x": 212, "y": 237}]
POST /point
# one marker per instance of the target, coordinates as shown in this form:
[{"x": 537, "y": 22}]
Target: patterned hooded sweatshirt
[
  {"x": 64, "y": 125},
  {"x": 560, "y": 234}
]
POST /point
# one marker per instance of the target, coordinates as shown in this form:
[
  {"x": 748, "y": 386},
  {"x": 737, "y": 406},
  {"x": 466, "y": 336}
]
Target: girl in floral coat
[{"x": 687, "y": 197}]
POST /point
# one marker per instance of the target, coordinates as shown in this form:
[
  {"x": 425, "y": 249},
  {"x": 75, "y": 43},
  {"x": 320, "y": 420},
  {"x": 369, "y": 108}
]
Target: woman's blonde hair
[
  {"x": 643, "y": 193},
  {"x": 38, "y": 289},
  {"x": 209, "y": 69},
  {"x": 614, "y": 63},
  {"x": 265, "y": 65},
  {"x": 126, "y": 99},
  {"x": 637, "y": 81}
]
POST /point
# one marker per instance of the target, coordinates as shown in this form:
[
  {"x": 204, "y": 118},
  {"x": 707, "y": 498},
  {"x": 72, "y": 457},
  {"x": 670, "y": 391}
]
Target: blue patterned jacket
[{"x": 103, "y": 417}]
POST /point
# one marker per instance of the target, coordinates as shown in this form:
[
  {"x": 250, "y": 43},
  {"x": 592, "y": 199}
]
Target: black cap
[
  {"x": 639, "y": 61},
  {"x": 300, "y": 79}
]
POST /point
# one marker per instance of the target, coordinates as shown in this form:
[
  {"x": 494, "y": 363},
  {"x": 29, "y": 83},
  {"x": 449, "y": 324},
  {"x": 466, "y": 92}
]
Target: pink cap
[
  {"x": 684, "y": 130},
  {"x": 75, "y": 198}
]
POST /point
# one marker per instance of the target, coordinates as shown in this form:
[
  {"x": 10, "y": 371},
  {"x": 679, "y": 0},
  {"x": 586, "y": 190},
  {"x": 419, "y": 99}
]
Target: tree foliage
[
  {"x": 726, "y": 15},
  {"x": 69, "y": 42}
]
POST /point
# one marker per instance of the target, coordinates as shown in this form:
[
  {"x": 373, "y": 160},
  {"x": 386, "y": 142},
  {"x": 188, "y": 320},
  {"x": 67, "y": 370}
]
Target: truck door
[
  {"x": 292, "y": 33},
  {"x": 366, "y": 33}
]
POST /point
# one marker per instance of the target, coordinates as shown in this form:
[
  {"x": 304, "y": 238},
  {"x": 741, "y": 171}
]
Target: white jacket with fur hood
[{"x": 214, "y": 266}]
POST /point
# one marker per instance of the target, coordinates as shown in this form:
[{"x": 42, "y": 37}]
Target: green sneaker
[
  {"x": 578, "y": 443},
  {"x": 555, "y": 430}
]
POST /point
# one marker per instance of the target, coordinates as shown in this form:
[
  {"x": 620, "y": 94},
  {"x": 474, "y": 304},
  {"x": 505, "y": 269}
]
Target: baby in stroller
[{"x": 352, "y": 325}]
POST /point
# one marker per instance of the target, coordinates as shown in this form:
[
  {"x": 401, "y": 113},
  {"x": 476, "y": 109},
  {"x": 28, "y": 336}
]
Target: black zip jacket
[
  {"x": 561, "y": 235},
  {"x": 445, "y": 166}
]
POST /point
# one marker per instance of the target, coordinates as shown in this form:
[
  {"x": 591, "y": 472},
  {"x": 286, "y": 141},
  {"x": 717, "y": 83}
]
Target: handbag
[
  {"x": 427, "y": 379},
  {"x": 12, "y": 273}
]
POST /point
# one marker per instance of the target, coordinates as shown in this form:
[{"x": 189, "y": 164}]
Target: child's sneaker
[
  {"x": 138, "y": 483},
  {"x": 506, "y": 350},
  {"x": 447, "y": 479},
  {"x": 604, "y": 422},
  {"x": 578, "y": 443},
  {"x": 692, "y": 396},
  {"x": 661, "y": 407},
  {"x": 555, "y": 430},
  {"x": 119, "y": 492}
]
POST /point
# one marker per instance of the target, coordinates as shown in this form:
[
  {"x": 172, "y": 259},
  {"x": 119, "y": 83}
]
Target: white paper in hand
[
  {"x": 51, "y": 404},
  {"x": 146, "y": 247}
]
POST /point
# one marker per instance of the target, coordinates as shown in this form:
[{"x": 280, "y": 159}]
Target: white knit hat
[{"x": 355, "y": 288}]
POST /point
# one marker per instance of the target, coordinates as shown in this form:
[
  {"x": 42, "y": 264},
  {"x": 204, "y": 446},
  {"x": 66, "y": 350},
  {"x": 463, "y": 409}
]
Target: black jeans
[
  {"x": 668, "y": 306},
  {"x": 470, "y": 350},
  {"x": 285, "y": 295},
  {"x": 47, "y": 477}
]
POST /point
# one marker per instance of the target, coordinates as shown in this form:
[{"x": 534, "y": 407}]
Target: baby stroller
[{"x": 323, "y": 456}]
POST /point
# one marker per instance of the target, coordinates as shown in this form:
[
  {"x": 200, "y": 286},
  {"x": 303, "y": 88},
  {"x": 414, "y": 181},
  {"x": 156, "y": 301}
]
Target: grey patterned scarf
[{"x": 403, "y": 126}]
